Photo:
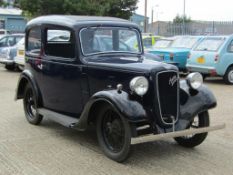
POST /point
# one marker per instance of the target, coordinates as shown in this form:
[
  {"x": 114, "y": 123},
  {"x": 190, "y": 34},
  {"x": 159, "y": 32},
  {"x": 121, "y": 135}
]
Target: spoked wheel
[
  {"x": 30, "y": 107},
  {"x": 114, "y": 134},
  {"x": 202, "y": 120}
]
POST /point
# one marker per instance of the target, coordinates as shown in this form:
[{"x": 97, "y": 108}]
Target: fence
[{"x": 192, "y": 28}]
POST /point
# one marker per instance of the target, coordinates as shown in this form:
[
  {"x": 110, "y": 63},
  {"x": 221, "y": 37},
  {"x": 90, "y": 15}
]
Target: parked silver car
[
  {"x": 20, "y": 55},
  {"x": 8, "y": 48}
]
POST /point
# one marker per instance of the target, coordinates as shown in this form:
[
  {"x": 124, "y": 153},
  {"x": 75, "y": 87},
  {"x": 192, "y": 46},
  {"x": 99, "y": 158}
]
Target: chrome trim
[
  {"x": 5, "y": 61},
  {"x": 158, "y": 95},
  {"x": 163, "y": 136}
]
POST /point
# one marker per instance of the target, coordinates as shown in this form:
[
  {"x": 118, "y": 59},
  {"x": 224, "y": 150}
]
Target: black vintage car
[{"x": 79, "y": 71}]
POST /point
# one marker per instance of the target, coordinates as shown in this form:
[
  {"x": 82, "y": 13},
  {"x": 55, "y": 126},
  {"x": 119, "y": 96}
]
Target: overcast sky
[{"x": 209, "y": 10}]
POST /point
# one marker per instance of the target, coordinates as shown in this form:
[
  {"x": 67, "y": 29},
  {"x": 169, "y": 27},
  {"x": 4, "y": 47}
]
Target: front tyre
[
  {"x": 228, "y": 77},
  {"x": 202, "y": 120},
  {"x": 30, "y": 106},
  {"x": 114, "y": 134}
]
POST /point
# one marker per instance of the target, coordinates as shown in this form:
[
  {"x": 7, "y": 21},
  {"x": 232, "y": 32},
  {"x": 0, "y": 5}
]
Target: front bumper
[
  {"x": 6, "y": 61},
  {"x": 151, "y": 138}
]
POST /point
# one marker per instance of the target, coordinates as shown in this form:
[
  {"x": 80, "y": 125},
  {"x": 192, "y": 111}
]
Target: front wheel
[
  {"x": 30, "y": 106},
  {"x": 114, "y": 134},
  {"x": 202, "y": 120}
]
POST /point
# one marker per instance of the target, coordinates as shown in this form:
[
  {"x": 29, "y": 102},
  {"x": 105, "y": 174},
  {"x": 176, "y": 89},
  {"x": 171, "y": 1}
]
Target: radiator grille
[{"x": 167, "y": 86}]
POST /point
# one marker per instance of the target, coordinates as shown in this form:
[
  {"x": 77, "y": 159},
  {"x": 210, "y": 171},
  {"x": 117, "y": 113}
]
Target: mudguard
[
  {"x": 131, "y": 109},
  {"x": 196, "y": 102},
  {"x": 27, "y": 77}
]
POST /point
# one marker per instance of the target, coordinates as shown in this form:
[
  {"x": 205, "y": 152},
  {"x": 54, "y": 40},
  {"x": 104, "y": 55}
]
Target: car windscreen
[
  {"x": 210, "y": 44},
  {"x": 108, "y": 39},
  {"x": 162, "y": 44},
  {"x": 21, "y": 41},
  {"x": 184, "y": 42}
]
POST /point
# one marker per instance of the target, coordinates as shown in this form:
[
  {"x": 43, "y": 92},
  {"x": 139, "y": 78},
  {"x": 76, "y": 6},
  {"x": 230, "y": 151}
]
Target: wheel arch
[
  {"x": 132, "y": 110},
  {"x": 24, "y": 79},
  {"x": 195, "y": 102},
  {"x": 231, "y": 65},
  {"x": 95, "y": 109}
]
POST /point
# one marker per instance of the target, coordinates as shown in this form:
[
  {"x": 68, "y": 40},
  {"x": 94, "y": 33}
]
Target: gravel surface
[{"x": 53, "y": 149}]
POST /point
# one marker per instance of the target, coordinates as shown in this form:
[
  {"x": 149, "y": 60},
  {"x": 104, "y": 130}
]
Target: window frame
[
  {"x": 27, "y": 40},
  {"x": 109, "y": 52},
  {"x": 45, "y": 28}
]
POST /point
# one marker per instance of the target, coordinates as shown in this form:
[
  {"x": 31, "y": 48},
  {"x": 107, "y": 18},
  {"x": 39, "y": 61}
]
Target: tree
[
  {"x": 116, "y": 8},
  {"x": 179, "y": 19},
  {"x": 3, "y": 4}
]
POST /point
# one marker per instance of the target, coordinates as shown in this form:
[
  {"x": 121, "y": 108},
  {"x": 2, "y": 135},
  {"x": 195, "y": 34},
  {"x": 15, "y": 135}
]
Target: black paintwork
[{"x": 74, "y": 87}]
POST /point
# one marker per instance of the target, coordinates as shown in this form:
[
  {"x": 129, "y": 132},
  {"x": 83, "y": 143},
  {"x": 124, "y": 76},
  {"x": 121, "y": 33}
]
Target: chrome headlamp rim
[
  {"x": 139, "y": 85},
  {"x": 194, "y": 80}
]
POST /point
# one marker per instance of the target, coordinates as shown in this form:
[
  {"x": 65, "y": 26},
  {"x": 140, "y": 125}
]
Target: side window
[
  {"x": 230, "y": 47},
  {"x": 147, "y": 42},
  {"x": 11, "y": 41},
  {"x": 59, "y": 43},
  {"x": 34, "y": 41},
  {"x": 3, "y": 42}
]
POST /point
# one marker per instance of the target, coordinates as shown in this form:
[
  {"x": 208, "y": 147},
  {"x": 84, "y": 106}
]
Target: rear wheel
[
  {"x": 114, "y": 134},
  {"x": 30, "y": 106},
  {"x": 228, "y": 77},
  {"x": 202, "y": 120}
]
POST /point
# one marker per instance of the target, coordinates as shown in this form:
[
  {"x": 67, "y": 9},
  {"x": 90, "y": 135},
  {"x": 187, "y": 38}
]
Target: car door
[
  {"x": 60, "y": 81},
  {"x": 226, "y": 57}
]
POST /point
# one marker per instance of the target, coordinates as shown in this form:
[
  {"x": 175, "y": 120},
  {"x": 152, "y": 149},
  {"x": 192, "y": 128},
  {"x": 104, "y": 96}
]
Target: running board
[
  {"x": 64, "y": 120},
  {"x": 151, "y": 138}
]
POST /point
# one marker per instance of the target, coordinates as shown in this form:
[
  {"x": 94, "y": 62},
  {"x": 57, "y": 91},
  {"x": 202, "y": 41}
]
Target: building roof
[{"x": 10, "y": 11}]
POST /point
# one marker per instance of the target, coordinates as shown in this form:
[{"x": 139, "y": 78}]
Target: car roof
[
  {"x": 72, "y": 20},
  {"x": 219, "y": 36}
]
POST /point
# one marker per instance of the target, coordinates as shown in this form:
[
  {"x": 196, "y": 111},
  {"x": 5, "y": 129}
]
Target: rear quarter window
[
  {"x": 230, "y": 47},
  {"x": 210, "y": 44},
  {"x": 34, "y": 41}
]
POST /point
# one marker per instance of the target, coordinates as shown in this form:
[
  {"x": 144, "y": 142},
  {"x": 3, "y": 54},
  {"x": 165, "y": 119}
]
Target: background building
[
  {"x": 139, "y": 20},
  {"x": 12, "y": 20}
]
